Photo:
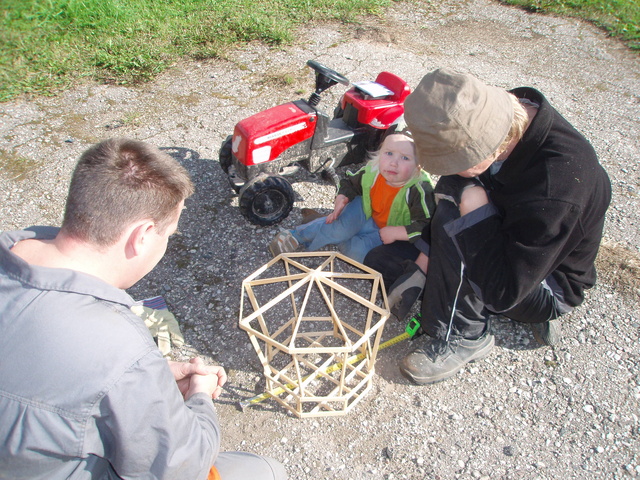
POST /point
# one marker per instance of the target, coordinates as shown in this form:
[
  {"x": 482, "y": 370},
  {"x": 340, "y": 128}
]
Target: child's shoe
[{"x": 283, "y": 242}]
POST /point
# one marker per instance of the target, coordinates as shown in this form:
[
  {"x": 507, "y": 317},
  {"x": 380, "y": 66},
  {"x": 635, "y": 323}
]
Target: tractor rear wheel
[{"x": 266, "y": 199}]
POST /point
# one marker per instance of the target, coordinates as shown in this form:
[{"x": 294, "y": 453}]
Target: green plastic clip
[{"x": 413, "y": 326}]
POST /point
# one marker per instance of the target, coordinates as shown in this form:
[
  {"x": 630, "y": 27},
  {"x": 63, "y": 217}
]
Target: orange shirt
[{"x": 382, "y": 196}]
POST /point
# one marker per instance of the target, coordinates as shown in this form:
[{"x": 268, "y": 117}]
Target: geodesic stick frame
[{"x": 315, "y": 362}]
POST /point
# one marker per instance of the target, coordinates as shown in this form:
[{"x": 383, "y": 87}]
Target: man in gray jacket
[{"x": 84, "y": 390}]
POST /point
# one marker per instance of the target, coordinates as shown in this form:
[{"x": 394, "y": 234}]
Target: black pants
[
  {"x": 450, "y": 307},
  {"x": 390, "y": 260}
]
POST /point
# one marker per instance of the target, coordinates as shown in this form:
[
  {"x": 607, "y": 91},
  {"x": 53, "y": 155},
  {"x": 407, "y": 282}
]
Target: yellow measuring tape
[{"x": 412, "y": 328}]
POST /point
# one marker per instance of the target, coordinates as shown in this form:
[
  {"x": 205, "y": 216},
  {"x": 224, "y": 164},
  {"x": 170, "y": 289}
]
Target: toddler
[{"x": 389, "y": 199}]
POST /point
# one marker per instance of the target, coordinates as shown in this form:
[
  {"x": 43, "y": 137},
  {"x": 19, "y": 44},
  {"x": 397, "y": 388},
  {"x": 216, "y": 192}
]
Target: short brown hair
[{"x": 119, "y": 181}]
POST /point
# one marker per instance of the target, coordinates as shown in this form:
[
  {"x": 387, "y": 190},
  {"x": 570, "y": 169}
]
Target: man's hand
[
  {"x": 196, "y": 377},
  {"x": 391, "y": 234},
  {"x": 472, "y": 198},
  {"x": 210, "y": 384},
  {"x": 339, "y": 204}
]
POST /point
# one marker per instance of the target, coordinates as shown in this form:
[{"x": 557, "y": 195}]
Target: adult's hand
[
  {"x": 195, "y": 377},
  {"x": 211, "y": 384},
  {"x": 339, "y": 204},
  {"x": 472, "y": 198}
]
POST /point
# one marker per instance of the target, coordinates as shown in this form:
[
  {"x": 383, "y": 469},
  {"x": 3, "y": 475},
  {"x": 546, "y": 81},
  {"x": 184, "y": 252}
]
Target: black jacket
[{"x": 548, "y": 206}]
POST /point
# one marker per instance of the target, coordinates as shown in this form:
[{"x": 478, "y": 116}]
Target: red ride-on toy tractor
[{"x": 268, "y": 145}]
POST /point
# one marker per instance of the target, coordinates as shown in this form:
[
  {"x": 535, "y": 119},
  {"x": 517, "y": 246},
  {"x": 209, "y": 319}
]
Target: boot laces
[{"x": 439, "y": 347}]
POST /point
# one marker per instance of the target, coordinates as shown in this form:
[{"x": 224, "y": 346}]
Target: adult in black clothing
[{"x": 521, "y": 206}]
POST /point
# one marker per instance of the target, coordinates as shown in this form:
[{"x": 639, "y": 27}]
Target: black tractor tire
[
  {"x": 266, "y": 199},
  {"x": 225, "y": 155}
]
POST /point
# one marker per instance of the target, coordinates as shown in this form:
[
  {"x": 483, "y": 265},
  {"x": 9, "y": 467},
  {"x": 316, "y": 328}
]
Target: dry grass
[{"x": 619, "y": 267}]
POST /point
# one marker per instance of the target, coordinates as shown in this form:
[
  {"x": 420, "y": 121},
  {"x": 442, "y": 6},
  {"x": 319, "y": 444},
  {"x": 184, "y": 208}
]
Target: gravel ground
[{"x": 569, "y": 411}]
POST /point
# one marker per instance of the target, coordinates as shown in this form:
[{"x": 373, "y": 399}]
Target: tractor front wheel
[{"x": 266, "y": 200}]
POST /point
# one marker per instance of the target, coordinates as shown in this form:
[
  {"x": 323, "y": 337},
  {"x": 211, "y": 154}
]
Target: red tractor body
[{"x": 263, "y": 137}]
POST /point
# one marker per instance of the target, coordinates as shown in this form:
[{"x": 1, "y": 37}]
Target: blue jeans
[{"x": 352, "y": 232}]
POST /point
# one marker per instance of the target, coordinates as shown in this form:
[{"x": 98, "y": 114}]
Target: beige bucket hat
[{"x": 456, "y": 121}]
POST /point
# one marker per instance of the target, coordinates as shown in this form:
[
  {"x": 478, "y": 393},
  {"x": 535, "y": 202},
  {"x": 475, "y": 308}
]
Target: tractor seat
[
  {"x": 394, "y": 83},
  {"x": 366, "y": 110}
]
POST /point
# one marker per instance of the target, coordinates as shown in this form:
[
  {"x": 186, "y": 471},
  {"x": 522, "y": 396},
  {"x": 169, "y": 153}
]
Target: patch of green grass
[
  {"x": 47, "y": 44},
  {"x": 620, "y": 18}
]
